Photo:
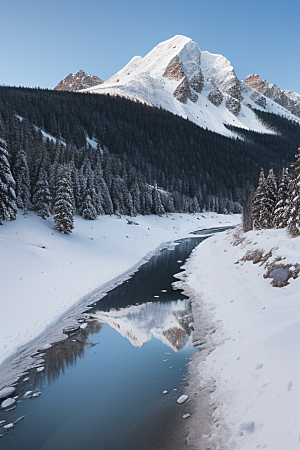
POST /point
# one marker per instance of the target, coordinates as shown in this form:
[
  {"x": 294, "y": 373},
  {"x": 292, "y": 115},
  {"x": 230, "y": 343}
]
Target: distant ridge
[{"x": 79, "y": 81}]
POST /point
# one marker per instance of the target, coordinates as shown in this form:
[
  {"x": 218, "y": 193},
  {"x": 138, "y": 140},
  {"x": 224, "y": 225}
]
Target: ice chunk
[
  {"x": 165, "y": 392},
  {"x": 9, "y": 425},
  {"x": 39, "y": 369},
  {"x": 182, "y": 398},
  {"x": 28, "y": 394},
  {"x": 8, "y": 402},
  {"x": 36, "y": 394},
  {"x": 83, "y": 326},
  {"x": 185, "y": 416},
  {"x": 5, "y": 392},
  {"x": 19, "y": 420}
]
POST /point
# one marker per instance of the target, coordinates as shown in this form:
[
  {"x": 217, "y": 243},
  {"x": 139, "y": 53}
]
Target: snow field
[
  {"x": 44, "y": 274},
  {"x": 253, "y": 351}
]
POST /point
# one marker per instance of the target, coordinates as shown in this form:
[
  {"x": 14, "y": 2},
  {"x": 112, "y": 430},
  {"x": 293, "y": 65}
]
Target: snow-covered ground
[
  {"x": 248, "y": 370},
  {"x": 47, "y": 278}
]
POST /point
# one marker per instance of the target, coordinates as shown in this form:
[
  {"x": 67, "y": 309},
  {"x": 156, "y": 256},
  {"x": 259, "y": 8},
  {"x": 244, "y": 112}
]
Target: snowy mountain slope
[{"x": 203, "y": 87}]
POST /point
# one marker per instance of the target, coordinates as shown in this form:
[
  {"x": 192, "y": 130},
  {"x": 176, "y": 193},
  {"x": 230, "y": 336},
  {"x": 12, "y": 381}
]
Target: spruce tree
[
  {"x": 294, "y": 209},
  {"x": 271, "y": 199},
  {"x": 157, "y": 207},
  {"x": 64, "y": 201},
  {"x": 41, "y": 200},
  {"x": 258, "y": 200},
  {"x": 8, "y": 207},
  {"x": 88, "y": 209},
  {"x": 21, "y": 173},
  {"x": 283, "y": 200}
]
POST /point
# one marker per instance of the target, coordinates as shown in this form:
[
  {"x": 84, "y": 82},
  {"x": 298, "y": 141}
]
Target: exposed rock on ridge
[
  {"x": 78, "y": 81},
  {"x": 288, "y": 99}
]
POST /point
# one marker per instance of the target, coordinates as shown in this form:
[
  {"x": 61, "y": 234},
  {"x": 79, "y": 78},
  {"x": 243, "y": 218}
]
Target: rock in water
[
  {"x": 182, "y": 399},
  {"x": 8, "y": 402},
  {"x": 5, "y": 392}
]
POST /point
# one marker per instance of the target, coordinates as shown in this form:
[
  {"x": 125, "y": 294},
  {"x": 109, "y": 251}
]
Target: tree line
[
  {"x": 143, "y": 160},
  {"x": 276, "y": 203}
]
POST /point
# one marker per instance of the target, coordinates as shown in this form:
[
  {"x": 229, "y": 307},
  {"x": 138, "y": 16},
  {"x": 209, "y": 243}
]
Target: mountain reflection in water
[{"x": 169, "y": 322}]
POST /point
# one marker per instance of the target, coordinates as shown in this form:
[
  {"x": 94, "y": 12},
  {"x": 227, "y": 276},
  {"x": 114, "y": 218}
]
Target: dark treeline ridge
[{"x": 140, "y": 148}]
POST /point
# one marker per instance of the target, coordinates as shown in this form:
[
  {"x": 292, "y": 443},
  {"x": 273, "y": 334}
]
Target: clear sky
[{"x": 42, "y": 41}]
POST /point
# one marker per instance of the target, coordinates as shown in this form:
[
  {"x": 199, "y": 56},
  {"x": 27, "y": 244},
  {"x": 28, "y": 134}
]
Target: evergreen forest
[{"x": 63, "y": 153}]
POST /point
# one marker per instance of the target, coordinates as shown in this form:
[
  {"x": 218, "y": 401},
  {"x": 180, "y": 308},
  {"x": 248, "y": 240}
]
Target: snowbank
[
  {"x": 44, "y": 273},
  {"x": 248, "y": 332}
]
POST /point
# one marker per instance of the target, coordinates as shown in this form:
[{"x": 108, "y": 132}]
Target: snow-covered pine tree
[
  {"x": 258, "y": 200},
  {"x": 121, "y": 197},
  {"x": 64, "y": 201},
  {"x": 21, "y": 174},
  {"x": 157, "y": 207},
  {"x": 271, "y": 200},
  {"x": 146, "y": 198},
  {"x": 294, "y": 207},
  {"x": 41, "y": 199},
  {"x": 8, "y": 207},
  {"x": 136, "y": 198},
  {"x": 283, "y": 200},
  {"x": 88, "y": 209}
]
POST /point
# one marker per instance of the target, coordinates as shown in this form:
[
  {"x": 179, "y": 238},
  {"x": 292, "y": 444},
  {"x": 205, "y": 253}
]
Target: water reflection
[{"x": 169, "y": 322}]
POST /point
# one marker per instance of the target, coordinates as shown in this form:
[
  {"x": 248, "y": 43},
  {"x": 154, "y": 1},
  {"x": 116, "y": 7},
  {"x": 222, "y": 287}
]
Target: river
[{"x": 114, "y": 382}]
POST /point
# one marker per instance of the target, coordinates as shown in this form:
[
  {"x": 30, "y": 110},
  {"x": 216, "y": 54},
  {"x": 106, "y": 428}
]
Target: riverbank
[
  {"x": 47, "y": 277},
  {"x": 244, "y": 383}
]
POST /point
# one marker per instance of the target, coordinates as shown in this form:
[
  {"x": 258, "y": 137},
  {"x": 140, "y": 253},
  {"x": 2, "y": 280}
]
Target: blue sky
[{"x": 42, "y": 41}]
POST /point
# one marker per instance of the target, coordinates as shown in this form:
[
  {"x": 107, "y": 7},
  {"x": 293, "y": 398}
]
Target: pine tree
[
  {"x": 157, "y": 207},
  {"x": 41, "y": 199},
  {"x": 64, "y": 201},
  {"x": 136, "y": 198},
  {"x": 294, "y": 210},
  {"x": 21, "y": 173},
  {"x": 8, "y": 207},
  {"x": 283, "y": 200},
  {"x": 271, "y": 199},
  {"x": 258, "y": 200},
  {"x": 88, "y": 209}
]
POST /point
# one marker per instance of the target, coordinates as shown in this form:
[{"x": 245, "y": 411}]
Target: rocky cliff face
[
  {"x": 78, "y": 81},
  {"x": 288, "y": 99}
]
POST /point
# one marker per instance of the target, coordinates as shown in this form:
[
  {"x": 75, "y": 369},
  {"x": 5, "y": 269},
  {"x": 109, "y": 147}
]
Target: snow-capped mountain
[
  {"x": 203, "y": 87},
  {"x": 79, "y": 81},
  {"x": 290, "y": 100}
]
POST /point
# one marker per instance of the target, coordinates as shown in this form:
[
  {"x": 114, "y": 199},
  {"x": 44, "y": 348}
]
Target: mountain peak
[
  {"x": 178, "y": 76},
  {"x": 79, "y": 81},
  {"x": 287, "y": 99}
]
